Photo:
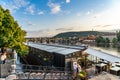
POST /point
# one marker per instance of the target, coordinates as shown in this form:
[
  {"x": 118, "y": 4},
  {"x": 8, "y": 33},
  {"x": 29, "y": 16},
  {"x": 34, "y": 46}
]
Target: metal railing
[
  {"x": 43, "y": 75},
  {"x": 37, "y": 67},
  {"x": 42, "y": 72},
  {"x": 25, "y": 71}
]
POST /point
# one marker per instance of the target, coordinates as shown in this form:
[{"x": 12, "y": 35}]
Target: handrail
[
  {"x": 58, "y": 72},
  {"x": 28, "y": 70},
  {"x": 43, "y": 74},
  {"x": 24, "y": 66}
]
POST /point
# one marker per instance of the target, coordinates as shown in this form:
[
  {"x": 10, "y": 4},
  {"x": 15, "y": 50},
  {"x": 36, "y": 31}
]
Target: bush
[{"x": 82, "y": 74}]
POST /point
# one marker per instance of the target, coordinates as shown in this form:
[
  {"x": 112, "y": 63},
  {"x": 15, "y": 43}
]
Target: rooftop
[
  {"x": 102, "y": 55},
  {"x": 61, "y": 49},
  {"x": 65, "y": 50}
]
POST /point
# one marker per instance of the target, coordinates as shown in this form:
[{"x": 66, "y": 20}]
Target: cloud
[
  {"x": 79, "y": 14},
  {"x": 47, "y": 32},
  {"x": 14, "y": 5},
  {"x": 107, "y": 25},
  {"x": 30, "y": 23},
  {"x": 21, "y": 3},
  {"x": 97, "y": 25},
  {"x": 64, "y": 29},
  {"x": 30, "y": 9},
  {"x": 40, "y": 12},
  {"x": 55, "y": 7},
  {"x": 41, "y": 33},
  {"x": 89, "y": 12},
  {"x": 66, "y": 12},
  {"x": 67, "y": 1},
  {"x": 104, "y": 26},
  {"x": 108, "y": 16}
]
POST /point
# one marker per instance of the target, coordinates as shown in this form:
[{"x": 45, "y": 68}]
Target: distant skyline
[{"x": 50, "y": 17}]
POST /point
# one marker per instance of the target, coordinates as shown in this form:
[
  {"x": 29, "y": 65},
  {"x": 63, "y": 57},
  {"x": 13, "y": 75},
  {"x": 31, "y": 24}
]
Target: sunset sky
[{"x": 49, "y": 17}]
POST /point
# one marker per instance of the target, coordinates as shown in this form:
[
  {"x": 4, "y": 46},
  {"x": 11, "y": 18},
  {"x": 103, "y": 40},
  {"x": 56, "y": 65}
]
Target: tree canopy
[
  {"x": 100, "y": 39},
  {"x": 11, "y": 34},
  {"x": 118, "y": 35}
]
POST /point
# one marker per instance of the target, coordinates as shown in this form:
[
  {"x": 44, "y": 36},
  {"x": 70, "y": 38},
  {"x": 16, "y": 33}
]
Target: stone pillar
[
  {"x": 13, "y": 66},
  {"x": 15, "y": 57}
]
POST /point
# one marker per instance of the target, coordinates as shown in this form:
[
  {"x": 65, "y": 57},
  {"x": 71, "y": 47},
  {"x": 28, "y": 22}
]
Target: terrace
[{"x": 89, "y": 59}]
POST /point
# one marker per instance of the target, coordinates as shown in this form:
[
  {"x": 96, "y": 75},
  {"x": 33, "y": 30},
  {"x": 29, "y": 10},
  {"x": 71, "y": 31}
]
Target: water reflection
[
  {"x": 102, "y": 45},
  {"x": 118, "y": 49},
  {"x": 108, "y": 48}
]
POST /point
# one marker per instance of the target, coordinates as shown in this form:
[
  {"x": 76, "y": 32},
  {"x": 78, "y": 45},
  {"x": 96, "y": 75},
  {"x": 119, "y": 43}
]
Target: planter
[{"x": 82, "y": 75}]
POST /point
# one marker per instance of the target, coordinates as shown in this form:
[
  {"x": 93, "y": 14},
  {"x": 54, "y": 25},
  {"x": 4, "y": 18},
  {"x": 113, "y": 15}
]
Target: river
[{"x": 110, "y": 50}]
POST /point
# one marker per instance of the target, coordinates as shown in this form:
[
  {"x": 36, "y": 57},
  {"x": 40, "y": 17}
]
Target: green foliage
[
  {"x": 11, "y": 35},
  {"x": 82, "y": 74},
  {"x": 79, "y": 34},
  {"x": 107, "y": 40},
  {"x": 114, "y": 40},
  {"x": 102, "y": 40},
  {"x": 118, "y": 35}
]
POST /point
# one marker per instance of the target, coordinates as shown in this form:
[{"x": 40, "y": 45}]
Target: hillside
[{"x": 79, "y": 34}]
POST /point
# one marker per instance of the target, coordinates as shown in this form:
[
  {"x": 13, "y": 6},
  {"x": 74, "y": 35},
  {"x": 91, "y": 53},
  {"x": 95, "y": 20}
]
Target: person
[
  {"x": 75, "y": 67},
  {"x": 78, "y": 68},
  {"x": 3, "y": 56}
]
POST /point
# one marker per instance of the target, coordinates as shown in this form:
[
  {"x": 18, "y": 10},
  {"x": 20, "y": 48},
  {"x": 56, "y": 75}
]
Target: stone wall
[{"x": 4, "y": 70}]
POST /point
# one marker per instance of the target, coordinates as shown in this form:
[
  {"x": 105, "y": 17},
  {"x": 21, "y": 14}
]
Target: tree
[
  {"x": 118, "y": 35},
  {"x": 11, "y": 35},
  {"x": 107, "y": 40},
  {"x": 114, "y": 40},
  {"x": 100, "y": 39}
]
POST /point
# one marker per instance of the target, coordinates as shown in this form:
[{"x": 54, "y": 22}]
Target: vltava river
[{"x": 109, "y": 50}]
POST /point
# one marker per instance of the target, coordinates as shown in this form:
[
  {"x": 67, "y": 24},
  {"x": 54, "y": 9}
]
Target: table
[
  {"x": 101, "y": 67},
  {"x": 118, "y": 65},
  {"x": 101, "y": 64},
  {"x": 115, "y": 70}
]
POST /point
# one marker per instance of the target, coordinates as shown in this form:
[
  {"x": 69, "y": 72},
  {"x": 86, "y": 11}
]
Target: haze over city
[{"x": 50, "y": 17}]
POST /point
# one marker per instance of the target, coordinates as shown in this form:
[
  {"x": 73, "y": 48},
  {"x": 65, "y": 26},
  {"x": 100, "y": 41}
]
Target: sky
[{"x": 45, "y": 18}]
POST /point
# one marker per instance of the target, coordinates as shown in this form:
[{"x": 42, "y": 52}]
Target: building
[
  {"x": 53, "y": 55},
  {"x": 111, "y": 37}
]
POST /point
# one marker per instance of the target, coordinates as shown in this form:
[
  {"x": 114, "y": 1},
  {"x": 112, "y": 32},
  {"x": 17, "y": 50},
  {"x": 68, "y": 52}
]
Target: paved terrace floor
[
  {"x": 100, "y": 76},
  {"x": 105, "y": 76},
  {"x": 38, "y": 76}
]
